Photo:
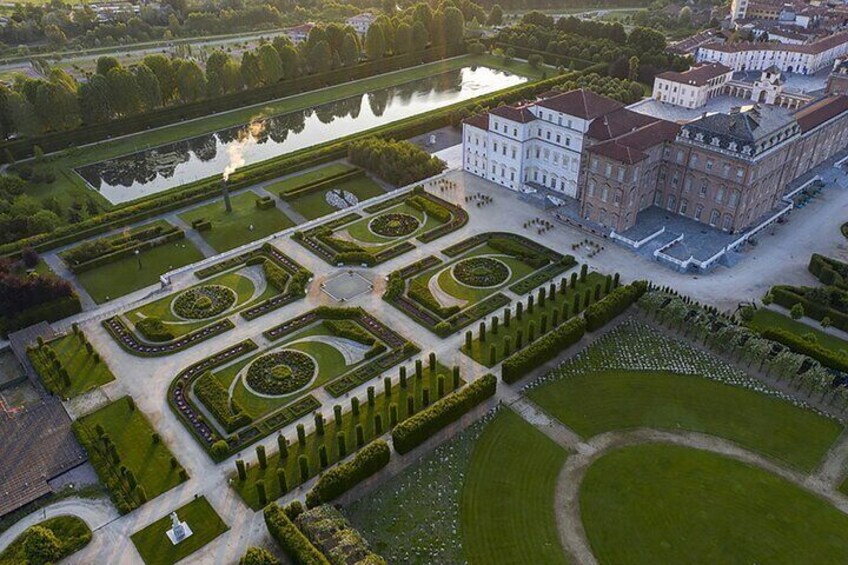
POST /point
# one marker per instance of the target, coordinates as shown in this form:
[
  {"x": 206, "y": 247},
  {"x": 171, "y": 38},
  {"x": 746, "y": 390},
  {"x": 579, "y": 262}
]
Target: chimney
[{"x": 226, "y": 193}]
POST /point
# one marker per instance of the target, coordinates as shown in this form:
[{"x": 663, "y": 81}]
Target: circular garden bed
[
  {"x": 281, "y": 373},
  {"x": 481, "y": 272},
  {"x": 394, "y": 225},
  {"x": 204, "y": 302}
]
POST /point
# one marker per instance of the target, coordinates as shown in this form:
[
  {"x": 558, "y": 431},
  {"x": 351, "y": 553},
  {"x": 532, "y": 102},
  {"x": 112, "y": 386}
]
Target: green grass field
[
  {"x": 362, "y": 234},
  {"x": 311, "y": 177},
  {"x": 593, "y": 403},
  {"x": 765, "y": 319},
  {"x": 121, "y": 277},
  {"x": 366, "y": 418},
  {"x": 72, "y": 533},
  {"x": 507, "y": 511},
  {"x": 232, "y": 229},
  {"x": 132, "y": 435},
  {"x": 84, "y": 371},
  {"x": 314, "y": 205},
  {"x": 669, "y": 504},
  {"x": 155, "y": 548}
]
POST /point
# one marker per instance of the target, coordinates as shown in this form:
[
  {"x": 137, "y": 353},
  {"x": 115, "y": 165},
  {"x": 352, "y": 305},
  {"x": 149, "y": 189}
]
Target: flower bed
[
  {"x": 128, "y": 340},
  {"x": 281, "y": 373},
  {"x": 204, "y": 301},
  {"x": 394, "y": 225},
  {"x": 481, "y": 272}
]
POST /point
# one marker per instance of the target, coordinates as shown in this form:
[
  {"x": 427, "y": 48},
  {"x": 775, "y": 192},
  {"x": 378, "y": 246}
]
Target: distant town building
[
  {"x": 807, "y": 58},
  {"x": 299, "y": 33},
  {"x": 361, "y": 22}
]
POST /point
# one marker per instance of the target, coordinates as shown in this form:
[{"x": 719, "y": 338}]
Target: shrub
[
  {"x": 797, "y": 311},
  {"x": 415, "y": 430},
  {"x": 258, "y": 556},
  {"x": 216, "y": 399},
  {"x": 431, "y": 208},
  {"x": 597, "y": 315},
  {"x": 219, "y": 449},
  {"x": 350, "y": 330},
  {"x": 293, "y": 542},
  {"x": 826, "y": 357},
  {"x": 341, "y": 478},
  {"x": 275, "y": 275},
  {"x": 153, "y": 329},
  {"x": 542, "y": 350}
]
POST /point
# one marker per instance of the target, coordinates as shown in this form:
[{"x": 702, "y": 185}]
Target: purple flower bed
[{"x": 129, "y": 341}]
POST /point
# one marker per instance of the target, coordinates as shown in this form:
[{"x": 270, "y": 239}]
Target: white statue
[{"x": 179, "y": 530}]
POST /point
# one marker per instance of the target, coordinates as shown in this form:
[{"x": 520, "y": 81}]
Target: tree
[
  {"x": 633, "y": 72},
  {"x": 23, "y": 115},
  {"x": 454, "y": 26},
  {"x": 535, "y": 60},
  {"x": 495, "y": 16},
  {"x": 375, "y": 43},
  {"x": 403, "y": 38},
  {"x": 164, "y": 71},
  {"x": 123, "y": 92},
  {"x": 94, "y": 100},
  {"x": 290, "y": 61},
  {"x": 350, "y": 49},
  {"x": 320, "y": 57},
  {"x": 646, "y": 40},
  {"x": 251, "y": 72},
  {"x": 148, "y": 87},
  {"x": 270, "y": 65},
  {"x": 41, "y": 545},
  {"x": 106, "y": 64},
  {"x": 685, "y": 16},
  {"x": 258, "y": 556},
  {"x": 191, "y": 82},
  {"x": 797, "y": 311},
  {"x": 214, "y": 73}
]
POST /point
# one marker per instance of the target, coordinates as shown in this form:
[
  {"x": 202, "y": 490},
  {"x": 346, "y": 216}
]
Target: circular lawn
[
  {"x": 281, "y": 373},
  {"x": 481, "y": 272}
]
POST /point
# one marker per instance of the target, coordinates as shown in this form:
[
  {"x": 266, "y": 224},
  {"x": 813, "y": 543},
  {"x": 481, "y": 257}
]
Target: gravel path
[{"x": 96, "y": 512}]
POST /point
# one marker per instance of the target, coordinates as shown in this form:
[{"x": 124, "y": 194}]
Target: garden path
[
  {"x": 192, "y": 235},
  {"x": 281, "y": 204}
]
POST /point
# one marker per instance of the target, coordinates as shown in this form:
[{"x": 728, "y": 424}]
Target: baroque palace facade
[{"x": 727, "y": 170}]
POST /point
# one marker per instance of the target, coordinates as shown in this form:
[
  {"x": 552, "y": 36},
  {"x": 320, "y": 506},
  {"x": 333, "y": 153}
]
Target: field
[
  {"x": 635, "y": 377},
  {"x": 123, "y": 276},
  {"x": 764, "y": 319},
  {"x": 84, "y": 370},
  {"x": 315, "y": 205},
  {"x": 678, "y": 505},
  {"x": 311, "y": 177},
  {"x": 132, "y": 436},
  {"x": 155, "y": 548},
  {"x": 72, "y": 533},
  {"x": 233, "y": 229}
]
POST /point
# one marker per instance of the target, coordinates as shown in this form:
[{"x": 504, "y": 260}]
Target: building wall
[{"x": 760, "y": 59}]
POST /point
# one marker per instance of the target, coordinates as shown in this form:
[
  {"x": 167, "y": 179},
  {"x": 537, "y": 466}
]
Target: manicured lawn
[
  {"x": 765, "y": 319},
  {"x": 314, "y": 205},
  {"x": 84, "y": 370},
  {"x": 670, "y": 504},
  {"x": 156, "y": 549},
  {"x": 232, "y": 229},
  {"x": 132, "y": 436},
  {"x": 73, "y": 534},
  {"x": 121, "y": 277},
  {"x": 507, "y": 512},
  {"x": 366, "y": 418},
  {"x": 592, "y": 403},
  {"x": 299, "y": 181},
  {"x": 363, "y": 235},
  {"x": 480, "y": 352}
]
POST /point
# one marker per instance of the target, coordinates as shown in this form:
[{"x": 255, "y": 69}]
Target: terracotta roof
[
  {"x": 817, "y": 113},
  {"x": 479, "y": 121},
  {"x": 697, "y": 76},
  {"x": 521, "y": 115},
  {"x": 617, "y": 123},
  {"x": 814, "y": 48},
  {"x": 631, "y": 147},
  {"x": 581, "y": 103}
]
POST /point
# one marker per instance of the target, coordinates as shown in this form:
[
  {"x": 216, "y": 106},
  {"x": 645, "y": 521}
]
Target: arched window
[{"x": 714, "y": 215}]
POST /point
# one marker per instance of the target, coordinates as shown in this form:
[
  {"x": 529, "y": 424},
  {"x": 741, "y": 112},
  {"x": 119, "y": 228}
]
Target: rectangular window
[{"x": 709, "y": 164}]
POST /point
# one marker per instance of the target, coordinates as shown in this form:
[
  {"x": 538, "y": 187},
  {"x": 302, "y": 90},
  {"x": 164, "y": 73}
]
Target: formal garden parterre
[
  {"x": 447, "y": 296},
  {"x": 69, "y": 364},
  {"x": 384, "y": 230},
  {"x": 251, "y": 284},
  {"x": 242, "y": 394}
]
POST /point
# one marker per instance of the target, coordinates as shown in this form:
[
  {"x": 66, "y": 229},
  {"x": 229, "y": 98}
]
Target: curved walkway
[
  {"x": 567, "y": 500},
  {"x": 96, "y": 512}
]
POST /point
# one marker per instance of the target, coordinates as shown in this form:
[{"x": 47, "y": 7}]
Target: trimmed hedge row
[
  {"x": 298, "y": 548},
  {"x": 542, "y": 350},
  {"x": 414, "y": 431},
  {"x": 828, "y": 270},
  {"x": 216, "y": 399},
  {"x": 800, "y": 345},
  {"x": 597, "y": 315},
  {"x": 321, "y": 184},
  {"x": 788, "y": 297},
  {"x": 168, "y": 237},
  {"x": 345, "y": 476}
]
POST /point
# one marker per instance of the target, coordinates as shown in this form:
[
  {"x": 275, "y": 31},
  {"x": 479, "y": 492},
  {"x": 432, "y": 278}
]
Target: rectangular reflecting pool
[{"x": 153, "y": 170}]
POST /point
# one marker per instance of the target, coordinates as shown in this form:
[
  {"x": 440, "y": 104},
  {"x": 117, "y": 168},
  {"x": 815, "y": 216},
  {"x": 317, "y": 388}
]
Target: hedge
[
  {"x": 345, "y": 476},
  {"x": 597, "y": 315},
  {"x": 828, "y": 270},
  {"x": 788, "y": 297},
  {"x": 542, "y": 350},
  {"x": 320, "y": 184},
  {"x": 216, "y": 399},
  {"x": 826, "y": 357},
  {"x": 275, "y": 275},
  {"x": 154, "y": 330},
  {"x": 48, "y": 312},
  {"x": 414, "y": 431},
  {"x": 167, "y": 236},
  {"x": 294, "y": 543}
]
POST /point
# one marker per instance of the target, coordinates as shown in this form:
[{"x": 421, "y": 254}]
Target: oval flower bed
[
  {"x": 280, "y": 373},
  {"x": 204, "y": 301},
  {"x": 481, "y": 272},
  {"x": 394, "y": 225}
]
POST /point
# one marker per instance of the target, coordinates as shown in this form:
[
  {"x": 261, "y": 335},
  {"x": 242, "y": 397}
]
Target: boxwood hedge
[
  {"x": 294, "y": 543},
  {"x": 344, "y": 476},
  {"x": 600, "y": 313},
  {"x": 542, "y": 350}
]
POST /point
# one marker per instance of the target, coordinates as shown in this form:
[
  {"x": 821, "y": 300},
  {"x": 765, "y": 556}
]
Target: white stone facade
[{"x": 804, "y": 59}]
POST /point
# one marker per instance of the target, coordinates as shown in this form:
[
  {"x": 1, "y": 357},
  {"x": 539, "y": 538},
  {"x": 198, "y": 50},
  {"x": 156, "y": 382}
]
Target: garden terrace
[
  {"x": 446, "y": 297},
  {"x": 253, "y": 283},
  {"x": 77, "y": 367},
  {"x": 118, "y": 435},
  {"x": 635, "y": 377},
  {"x": 152, "y": 542},
  {"x": 532, "y": 319},
  {"x": 417, "y": 387},
  {"x": 386, "y": 231}
]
